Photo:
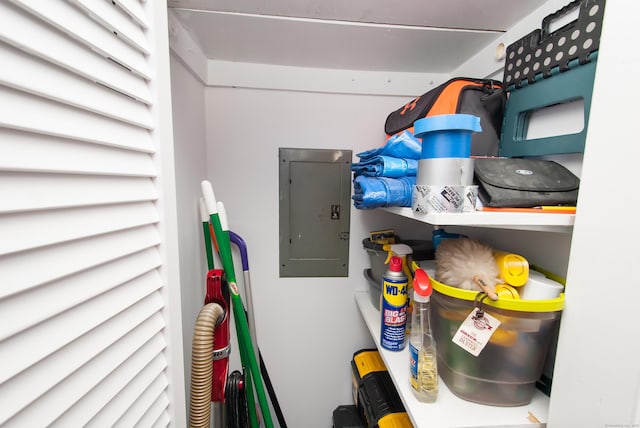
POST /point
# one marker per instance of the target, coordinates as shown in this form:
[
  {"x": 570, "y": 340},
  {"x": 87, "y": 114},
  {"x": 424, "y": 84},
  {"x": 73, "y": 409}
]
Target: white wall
[
  {"x": 307, "y": 328},
  {"x": 190, "y": 142}
]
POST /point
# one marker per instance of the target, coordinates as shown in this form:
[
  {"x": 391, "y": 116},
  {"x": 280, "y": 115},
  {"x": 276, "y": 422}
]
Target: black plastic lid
[{"x": 422, "y": 249}]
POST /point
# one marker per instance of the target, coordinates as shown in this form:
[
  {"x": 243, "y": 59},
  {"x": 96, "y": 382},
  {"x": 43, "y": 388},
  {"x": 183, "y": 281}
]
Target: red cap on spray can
[{"x": 395, "y": 264}]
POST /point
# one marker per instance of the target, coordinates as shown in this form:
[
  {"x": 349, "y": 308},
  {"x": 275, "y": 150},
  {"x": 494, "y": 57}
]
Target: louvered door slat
[
  {"x": 163, "y": 421},
  {"x": 35, "y": 37},
  {"x": 78, "y": 25},
  {"x": 137, "y": 373},
  {"x": 38, "y": 77},
  {"x": 24, "y": 151},
  {"x": 54, "y": 191},
  {"x": 26, "y": 270},
  {"x": 134, "y": 10},
  {"x": 157, "y": 409},
  {"x": 145, "y": 402},
  {"x": 18, "y": 109},
  {"x": 45, "y": 302},
  {"x": 71, "y": 224},
  {"x": 111, "y": 17}
]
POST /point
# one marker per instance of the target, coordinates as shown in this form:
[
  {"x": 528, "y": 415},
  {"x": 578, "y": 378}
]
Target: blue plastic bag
[
  {"x": 386, "y": 166},
  {"x": 377, "y": 192},
  {"x": 403, "y": 145}
]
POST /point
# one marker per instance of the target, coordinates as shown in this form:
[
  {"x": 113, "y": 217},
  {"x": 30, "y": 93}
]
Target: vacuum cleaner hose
[{"x": 202, "y": 365}]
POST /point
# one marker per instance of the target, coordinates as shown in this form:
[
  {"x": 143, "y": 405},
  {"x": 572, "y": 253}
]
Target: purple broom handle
[{"x": 242, "y": 246}]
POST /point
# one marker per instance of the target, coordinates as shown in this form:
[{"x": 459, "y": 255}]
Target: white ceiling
[{"x": 433, "y": 36}]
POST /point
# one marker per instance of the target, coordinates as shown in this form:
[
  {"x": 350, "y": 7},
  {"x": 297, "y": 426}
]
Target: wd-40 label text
[
  {"x": 395, "y": 293},
  {"x": 395, "y": 317}
]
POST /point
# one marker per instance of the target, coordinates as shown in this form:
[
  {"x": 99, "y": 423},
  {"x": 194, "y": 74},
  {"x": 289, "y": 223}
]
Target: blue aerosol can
[{"x": 394, "y": 306}]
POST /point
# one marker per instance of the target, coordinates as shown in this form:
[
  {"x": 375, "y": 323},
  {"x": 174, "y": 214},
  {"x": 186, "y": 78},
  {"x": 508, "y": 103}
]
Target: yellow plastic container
[
  {"x": 507, "y": 369},
  {"x": 505, "y": 291},
  {"x": 514, "y": 268}
]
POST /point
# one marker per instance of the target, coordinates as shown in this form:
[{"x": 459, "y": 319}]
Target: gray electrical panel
[{"x": 315, "y": 205}]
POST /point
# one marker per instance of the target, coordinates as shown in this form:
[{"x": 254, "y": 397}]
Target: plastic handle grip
[
  {"x": 561, "y": 19},
  {"x": 209, "y": 197},
  {"x": 222, "y": 213},
  {"x": 204, "y": 214},
  {"x": 242, "y": 246}
]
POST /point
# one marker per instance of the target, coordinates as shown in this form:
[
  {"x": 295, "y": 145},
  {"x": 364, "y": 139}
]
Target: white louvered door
[{"x": 87, "y": 290}]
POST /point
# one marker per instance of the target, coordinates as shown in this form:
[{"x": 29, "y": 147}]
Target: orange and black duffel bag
[{"x": 484, "y": 98}]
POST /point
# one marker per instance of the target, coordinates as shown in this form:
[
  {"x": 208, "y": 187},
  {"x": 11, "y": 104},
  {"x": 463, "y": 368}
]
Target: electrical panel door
[{"x": 315, "y": 203}]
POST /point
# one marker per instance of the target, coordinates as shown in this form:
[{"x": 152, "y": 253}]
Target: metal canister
[{"x": 394, "y": 306}]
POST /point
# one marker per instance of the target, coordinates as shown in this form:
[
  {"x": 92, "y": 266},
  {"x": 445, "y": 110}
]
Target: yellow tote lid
[{"x": 551, "y": 305}]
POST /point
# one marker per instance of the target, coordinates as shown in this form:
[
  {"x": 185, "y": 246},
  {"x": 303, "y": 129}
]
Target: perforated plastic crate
[{"x": 546, "y": 68}]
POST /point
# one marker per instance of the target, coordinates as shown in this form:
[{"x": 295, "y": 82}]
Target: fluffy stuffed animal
[{"x": 467, "y": 264}]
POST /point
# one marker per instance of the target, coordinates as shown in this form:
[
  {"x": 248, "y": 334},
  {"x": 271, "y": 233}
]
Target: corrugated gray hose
[{"x": 202, "y": 365}]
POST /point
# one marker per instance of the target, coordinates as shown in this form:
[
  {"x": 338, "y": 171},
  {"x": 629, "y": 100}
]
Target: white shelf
[
  {"x": 448, "y": 410},
  {"x": 545, "y": 222}
]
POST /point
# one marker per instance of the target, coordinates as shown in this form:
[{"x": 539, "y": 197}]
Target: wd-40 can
[{"x": 394, "y": 306}]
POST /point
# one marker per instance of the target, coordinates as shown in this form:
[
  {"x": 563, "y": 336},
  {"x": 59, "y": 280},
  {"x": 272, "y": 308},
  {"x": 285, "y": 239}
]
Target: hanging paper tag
[{"x": 474, "y": 333}]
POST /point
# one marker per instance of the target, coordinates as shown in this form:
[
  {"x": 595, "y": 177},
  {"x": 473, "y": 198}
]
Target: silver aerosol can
[{"x": 394, "y": 306}]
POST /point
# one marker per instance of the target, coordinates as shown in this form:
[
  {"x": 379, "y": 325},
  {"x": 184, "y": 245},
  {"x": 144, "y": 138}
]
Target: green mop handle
[
  {"x": 244, "y": 338},
  {"x": 204, "y": 215},
  {"x": 237, "y": 303}
]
